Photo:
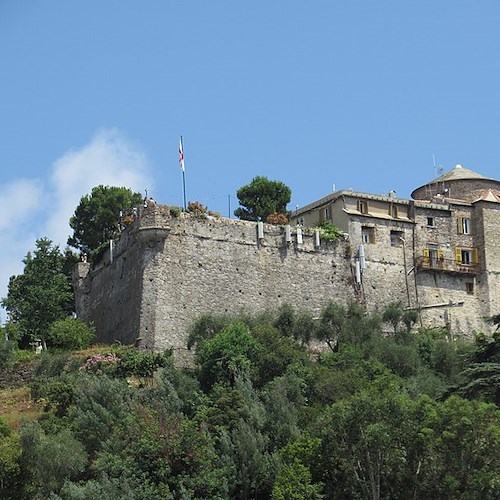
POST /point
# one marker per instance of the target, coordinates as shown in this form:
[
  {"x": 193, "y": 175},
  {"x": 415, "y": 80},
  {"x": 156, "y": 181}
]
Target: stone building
[
  {"x": 434, "y": 253},
  {"x": 447, "y": 236}
]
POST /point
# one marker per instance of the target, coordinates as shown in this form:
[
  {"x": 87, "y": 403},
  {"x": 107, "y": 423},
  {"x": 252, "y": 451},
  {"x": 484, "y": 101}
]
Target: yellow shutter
[
  {"x": 426, "y": 256},
  {"x": 440, "y": 255},
  {"x": 458, "y": 255},
  {"x": 460, "y": 229},
  {"x": 475, "y": 259}
]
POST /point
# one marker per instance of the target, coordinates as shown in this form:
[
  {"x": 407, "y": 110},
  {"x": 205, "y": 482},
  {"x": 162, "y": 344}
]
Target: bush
[
  {"x": 50, "y": 459},
  {"x": 70, "y": 333},
  {"x": 7, "y": 352},
  {"x": 175, "y": 211},
  {"x": 196, "y": 208},
  {"x": 328, "y": 231},
  {"x": 277, "y": 219}
]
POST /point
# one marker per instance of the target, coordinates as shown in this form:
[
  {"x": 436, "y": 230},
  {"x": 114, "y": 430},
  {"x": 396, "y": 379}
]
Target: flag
[{"x": 181, "y": 155}]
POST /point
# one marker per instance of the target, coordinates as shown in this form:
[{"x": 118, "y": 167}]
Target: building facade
[
  {"x": 449, "y": 246},
  {"x": 439, "y": 255}
]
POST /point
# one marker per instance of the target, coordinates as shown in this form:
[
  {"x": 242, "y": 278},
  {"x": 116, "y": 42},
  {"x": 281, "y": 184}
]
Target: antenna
[{"x": 438, "y": 169}]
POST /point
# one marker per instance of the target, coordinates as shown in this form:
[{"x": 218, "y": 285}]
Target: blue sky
[{"x": 357, "y": 94}]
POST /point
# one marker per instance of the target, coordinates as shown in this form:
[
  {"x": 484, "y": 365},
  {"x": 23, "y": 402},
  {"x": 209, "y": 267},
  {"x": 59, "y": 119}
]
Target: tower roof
[
  {"x": 460, "y": 182},
  {"x": 460, "y": 173}
]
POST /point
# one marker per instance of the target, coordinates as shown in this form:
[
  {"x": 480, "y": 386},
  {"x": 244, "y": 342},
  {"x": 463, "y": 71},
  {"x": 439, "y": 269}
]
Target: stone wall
[{"x": 166, "y": 271}]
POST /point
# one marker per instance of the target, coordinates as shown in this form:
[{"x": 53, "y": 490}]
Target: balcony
[{"x": 446, "y": 265}]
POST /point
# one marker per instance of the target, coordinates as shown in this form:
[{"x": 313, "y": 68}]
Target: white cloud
[
  {"x": 34, "y": 208},
  {"x": 19, "y": 199},
  {"x": 109, "y": 159}
]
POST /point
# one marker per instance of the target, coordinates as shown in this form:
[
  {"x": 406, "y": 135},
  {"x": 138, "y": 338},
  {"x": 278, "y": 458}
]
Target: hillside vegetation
[{"x": 373, "y": 415}]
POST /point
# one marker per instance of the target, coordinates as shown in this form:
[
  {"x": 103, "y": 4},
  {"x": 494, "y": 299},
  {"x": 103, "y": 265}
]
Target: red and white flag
[{"x": 181, "y": 156}]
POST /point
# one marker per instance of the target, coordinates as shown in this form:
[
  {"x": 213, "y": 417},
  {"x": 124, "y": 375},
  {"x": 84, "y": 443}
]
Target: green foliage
[
  {"x": 275, "y": 353},
  {"x": 101, "y": 404},
  {"x": 70, "y": 333},
  {"x": 7, "y": 351},
  {"x": 231, "y": 352},
  {"x": 10, "y": 464},
  {"x": 206, "y": 327},
  {"x": 328, "y": 231},
  {"x": 293, "y": 482},
  {"x": 50, "y": 459},
  {"x": 339, "y": 325},
  {"x": 285, "y": 320},
  {"x": 260, "y": 419},
  {"x": 132, "y": 361},
  {"x": 175, "y": 211},
  {"x": 41, "y": 295},
  {"x": 480, "y": 379},
  {"x": 494, "y": 320},
  {"x": 261, "y": 198},
  {"x": 97, "y": 217},
  {"x": 57, "y": 392},
  {"x": 255, "y": 467}
]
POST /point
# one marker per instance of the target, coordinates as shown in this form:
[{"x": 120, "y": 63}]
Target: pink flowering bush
[{"x": 100, "y": 363}]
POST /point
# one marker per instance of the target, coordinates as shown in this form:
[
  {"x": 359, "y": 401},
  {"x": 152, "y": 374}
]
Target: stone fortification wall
[
  {"x": 166, "y": 271},
  {"x": 110, "y": 293},
  {"x": 221, "y": 266}
]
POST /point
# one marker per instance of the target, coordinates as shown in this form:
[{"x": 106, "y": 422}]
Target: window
[
  {"x": 463, "y": 225},
  {"x": 433, "y": 254},
  {"x": 363, "y": 206},
  {"x": 430, "y": 222},
  {"x": 393, "y": 211},
  {"x": 466, "y": 256},
  {"x": 326, "y": 213},
  {"x": 469, "y": 287},
  {"x": 396, "y": 238},
  {"x": 368, "y": 234}
]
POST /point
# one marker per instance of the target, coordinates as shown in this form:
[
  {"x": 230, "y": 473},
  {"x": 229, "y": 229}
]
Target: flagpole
[
  {"x": 184, "y": 188},
  {"x": 183, "y": 168}
]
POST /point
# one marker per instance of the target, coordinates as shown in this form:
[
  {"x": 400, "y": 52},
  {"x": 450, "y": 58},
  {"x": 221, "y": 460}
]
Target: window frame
[
  {"x": 363, "y": 206},
  {"x": 367, "y": 235}
]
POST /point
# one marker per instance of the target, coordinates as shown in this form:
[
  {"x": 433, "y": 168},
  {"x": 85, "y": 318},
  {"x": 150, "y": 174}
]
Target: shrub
[
  {"x": 175, "y": 211},
  {"x": 277, "y": 219},
  {"x": 328, "y": 231},
  {"x": 51, "y": 459},
  {"x": 7, "y": 352},
  {"x": 70, "y": 333},
  {"x": 196, "y": 208}
]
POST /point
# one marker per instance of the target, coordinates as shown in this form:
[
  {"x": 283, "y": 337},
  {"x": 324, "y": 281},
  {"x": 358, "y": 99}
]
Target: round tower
[{"x": 459, "y": 183}]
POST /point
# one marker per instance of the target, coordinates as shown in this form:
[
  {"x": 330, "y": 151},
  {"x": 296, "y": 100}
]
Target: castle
[{"x": 438, "y": 252}]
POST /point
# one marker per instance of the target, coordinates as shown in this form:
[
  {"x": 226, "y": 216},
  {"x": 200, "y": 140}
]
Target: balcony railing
[{"x": 446, "y": 265}]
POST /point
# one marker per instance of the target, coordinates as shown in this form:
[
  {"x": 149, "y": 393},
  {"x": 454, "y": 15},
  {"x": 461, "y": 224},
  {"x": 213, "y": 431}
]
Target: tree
[
  {"x": 42, "y": 294},
  {"x": 231, "y": 352},
  {"x": 261, "y": 198},
  {"x": 97, "y": 217},
  {"x": 50, "y": 459},
  {"x": 70, "y": 333}
]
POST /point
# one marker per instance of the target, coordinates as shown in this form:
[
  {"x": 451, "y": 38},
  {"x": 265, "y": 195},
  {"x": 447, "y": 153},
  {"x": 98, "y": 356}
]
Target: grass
[{"x": 16, "y": 405}]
